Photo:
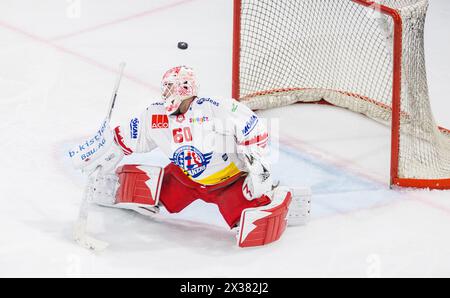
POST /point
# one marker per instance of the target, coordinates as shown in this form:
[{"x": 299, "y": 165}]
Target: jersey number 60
[{"x": 182, "y": 134}]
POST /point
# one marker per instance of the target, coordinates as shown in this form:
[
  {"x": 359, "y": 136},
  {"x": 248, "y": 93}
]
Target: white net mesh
[{"x": 342, "y": 52}]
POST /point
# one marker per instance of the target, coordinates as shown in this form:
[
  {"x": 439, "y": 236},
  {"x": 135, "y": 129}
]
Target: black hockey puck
[{"x": 183, "y": 45}]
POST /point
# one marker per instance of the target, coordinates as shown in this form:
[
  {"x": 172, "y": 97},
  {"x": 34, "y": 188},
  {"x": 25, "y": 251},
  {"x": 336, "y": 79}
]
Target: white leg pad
[{"x": 104, "y": 188}]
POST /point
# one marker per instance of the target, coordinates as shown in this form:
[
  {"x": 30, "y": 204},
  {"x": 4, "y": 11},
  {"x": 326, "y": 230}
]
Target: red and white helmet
[{"x": 178, "y": 84}]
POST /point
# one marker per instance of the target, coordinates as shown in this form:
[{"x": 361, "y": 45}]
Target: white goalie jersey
[{"x": 209, "y": 142}]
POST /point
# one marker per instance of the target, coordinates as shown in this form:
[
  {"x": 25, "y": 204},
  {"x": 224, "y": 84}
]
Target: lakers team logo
[{"x": 191, "y": 160}]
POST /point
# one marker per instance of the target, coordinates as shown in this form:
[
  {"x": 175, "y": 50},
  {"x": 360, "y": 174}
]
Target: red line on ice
[
  {"x": 78, "y": 55},
  {"x": 121, "y": 20}
]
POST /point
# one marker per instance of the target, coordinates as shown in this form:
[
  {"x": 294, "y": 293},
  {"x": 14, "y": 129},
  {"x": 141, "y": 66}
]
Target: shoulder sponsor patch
[
  {"x": 134, "y": 128},
  {"x": 209, "y": 100},
  {"x": 250, "y": 125},
  {"x": 160, "y": 121}
]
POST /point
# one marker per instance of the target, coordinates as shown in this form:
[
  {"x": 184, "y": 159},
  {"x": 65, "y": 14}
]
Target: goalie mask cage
[{"x": 365, "y": 56}]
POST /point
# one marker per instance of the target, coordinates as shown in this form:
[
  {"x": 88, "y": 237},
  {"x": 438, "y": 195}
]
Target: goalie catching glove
[{"x": 259, "y": 180}]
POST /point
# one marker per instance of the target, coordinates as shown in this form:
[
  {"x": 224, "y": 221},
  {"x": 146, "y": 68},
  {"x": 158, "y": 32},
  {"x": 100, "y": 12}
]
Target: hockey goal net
[{"x": 361, "y": 55}]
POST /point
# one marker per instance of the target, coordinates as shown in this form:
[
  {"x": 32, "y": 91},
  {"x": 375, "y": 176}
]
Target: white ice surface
[{"x": 56, "y": 74}]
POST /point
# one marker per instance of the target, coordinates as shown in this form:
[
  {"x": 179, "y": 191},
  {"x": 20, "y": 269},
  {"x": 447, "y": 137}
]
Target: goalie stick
[{"x": 80, "y": 230}]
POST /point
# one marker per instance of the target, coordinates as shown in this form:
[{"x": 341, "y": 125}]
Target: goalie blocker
[{"x": 258, "y": 222}]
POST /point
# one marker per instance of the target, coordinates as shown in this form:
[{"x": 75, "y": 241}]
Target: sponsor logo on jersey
[
  {"x": 199, "y": 120},
  {"x": 158, "y": 104},
  {"x": 250, "y": 125},
  {"x": 160, "y": 121},
  {"x": 234, "y": 108},
  {"x": 225, "y": 157},
  {"x": 203, "y": 100},
  {"x": 191, "y": 160},
  {"x": 134, "y": 128}
]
